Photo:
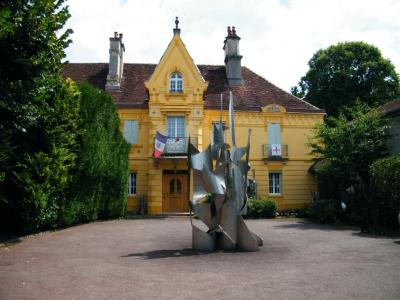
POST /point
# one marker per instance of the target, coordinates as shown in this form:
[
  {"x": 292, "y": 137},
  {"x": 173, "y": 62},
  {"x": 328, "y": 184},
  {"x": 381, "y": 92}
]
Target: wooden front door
[{"x": 175, "y": 193}]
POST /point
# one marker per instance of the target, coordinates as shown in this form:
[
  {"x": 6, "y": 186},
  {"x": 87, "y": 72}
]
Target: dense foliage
[
  {"x": 39, "y": 113},
  {"x": 257, "y": 209},
  {"x": 31, "y": 56},
  {"x": 100, "y": 187},
  {"x": 349, "y": 145},
  {"x": 344, "y": 73},
  {"x": 346, "y": 147},
  {"x": 385, "y": 183},
  {"x": 44, "y": 153},
  {"x": 323, "y": 211}
]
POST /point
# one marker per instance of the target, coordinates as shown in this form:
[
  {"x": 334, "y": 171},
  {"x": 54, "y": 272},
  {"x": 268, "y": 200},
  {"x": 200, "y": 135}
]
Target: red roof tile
[{"x": 252, "y": 95}]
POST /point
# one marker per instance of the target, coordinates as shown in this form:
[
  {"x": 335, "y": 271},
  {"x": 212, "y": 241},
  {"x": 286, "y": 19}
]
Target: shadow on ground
[
  {"x": 306, "y": 225},
  {"x": 376, "y": 236},
  {"x": 8, "y": 240},
  {"x": 156, "y": 254}
]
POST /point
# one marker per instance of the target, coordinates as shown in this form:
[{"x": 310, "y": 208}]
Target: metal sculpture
[{"x": 219, "y": 192}]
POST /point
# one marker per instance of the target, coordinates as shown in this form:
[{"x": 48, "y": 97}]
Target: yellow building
[{"x": 181, "y": 100}]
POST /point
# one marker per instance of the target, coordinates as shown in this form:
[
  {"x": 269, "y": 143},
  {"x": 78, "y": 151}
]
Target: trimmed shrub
[
  {"x": 295, "y": 212},
  {"x": 100, "y": 186},
  {"x": 323, "y": 211},
  {"x": 257, "y": 209},
  {"x": 385, "y": 186}
]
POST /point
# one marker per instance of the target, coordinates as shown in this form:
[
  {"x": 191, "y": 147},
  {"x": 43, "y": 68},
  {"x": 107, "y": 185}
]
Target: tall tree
[
  {"x": 348, "y": 145},
  {"x": 344, "y": 73},
  {"x": 31, "y": 55},
  {"x": 39, "y": 112}
]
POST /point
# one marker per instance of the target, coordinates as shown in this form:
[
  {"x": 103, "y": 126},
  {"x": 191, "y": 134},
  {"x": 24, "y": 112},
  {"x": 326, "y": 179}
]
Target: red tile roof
[{"x": 252, "y": 95}]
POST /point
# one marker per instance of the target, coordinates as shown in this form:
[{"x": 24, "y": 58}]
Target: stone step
[{"x": 175, "y": 214}]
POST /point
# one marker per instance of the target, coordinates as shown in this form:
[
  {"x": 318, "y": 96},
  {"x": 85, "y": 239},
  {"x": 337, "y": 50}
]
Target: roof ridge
[
  {"x": 277, "y": 87},
  {"x": 255, "y": 92}
]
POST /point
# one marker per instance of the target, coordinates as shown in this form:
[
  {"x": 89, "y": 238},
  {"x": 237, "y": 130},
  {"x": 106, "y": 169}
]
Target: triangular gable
[{"x": 176, "y": 58}]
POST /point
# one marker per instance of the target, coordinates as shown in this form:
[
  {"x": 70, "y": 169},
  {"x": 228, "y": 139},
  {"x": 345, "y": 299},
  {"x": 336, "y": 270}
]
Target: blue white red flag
[{"x": 159, "y": 145}]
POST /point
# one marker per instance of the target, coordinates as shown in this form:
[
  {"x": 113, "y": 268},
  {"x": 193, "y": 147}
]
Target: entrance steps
[{"x": 175, "y": 214}]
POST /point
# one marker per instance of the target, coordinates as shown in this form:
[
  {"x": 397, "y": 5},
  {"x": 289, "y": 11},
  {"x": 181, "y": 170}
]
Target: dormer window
[{"x": 176, "y": 83}]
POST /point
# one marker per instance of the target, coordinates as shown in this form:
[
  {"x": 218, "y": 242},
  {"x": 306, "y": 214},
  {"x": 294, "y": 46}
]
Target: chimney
[
  {"x": 233, "y": 58},
  {"x": 116, "y": 63}
]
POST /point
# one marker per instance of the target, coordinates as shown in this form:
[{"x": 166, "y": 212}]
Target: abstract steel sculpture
[{"x": 219, "y": 192}]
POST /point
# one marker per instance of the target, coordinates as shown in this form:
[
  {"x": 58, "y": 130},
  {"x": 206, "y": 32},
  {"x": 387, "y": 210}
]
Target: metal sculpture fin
[
  {"x": 246, "y": 241},
  {"x": 202, "y": 241}
]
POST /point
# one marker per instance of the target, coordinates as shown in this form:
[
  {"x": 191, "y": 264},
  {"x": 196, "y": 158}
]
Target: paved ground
[{"x": 151, "y": 259}]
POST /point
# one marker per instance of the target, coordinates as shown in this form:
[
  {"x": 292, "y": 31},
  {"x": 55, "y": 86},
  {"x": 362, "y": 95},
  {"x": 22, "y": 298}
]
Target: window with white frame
[
  {"x": 275, "y": 183},
  {"x": 132, "y": 183},
  {"x": 176, "y": 126},
  {"x": 176, "y": 83},
  {"x": 131, "y": 130}
]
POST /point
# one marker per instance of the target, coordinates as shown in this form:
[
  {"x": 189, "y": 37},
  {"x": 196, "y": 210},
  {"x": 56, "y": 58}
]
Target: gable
[{"x": 176, "y": 59}]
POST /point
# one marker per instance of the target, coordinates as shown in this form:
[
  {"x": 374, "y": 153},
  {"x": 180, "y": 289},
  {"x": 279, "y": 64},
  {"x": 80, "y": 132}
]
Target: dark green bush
[
  {"x": 295, "y": 212},
  {"x": 43, "y": 172},
  {"x": 385, "y": 186},
  {"x": 323, "y": 211},
  {"x": 100, "y": 186},
  {"x": 257, "y": 209}
]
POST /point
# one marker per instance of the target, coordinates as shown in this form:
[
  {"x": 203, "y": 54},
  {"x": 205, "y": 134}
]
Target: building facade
[{"x": 181, "y": 100}]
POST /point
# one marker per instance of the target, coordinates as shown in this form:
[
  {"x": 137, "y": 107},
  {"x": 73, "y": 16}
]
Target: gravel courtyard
[{"x": 151, "y": 259}]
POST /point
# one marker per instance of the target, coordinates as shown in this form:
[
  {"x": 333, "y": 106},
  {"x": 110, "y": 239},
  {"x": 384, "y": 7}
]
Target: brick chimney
[
  {"x": 233, "y": 58},
  {"x": 116, "y": 63}
]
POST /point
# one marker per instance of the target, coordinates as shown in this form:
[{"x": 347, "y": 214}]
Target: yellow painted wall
[{"x": 295, "y": 130}]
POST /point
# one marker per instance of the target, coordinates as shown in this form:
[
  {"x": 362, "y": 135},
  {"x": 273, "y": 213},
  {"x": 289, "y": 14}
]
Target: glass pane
[
  {"x": 176, "y": 126},
  {"x": 178, "y": 186},
  {"x": 132, "y": 183},
  {"x": 172, "y": 186},
  {"x": 271, "y": 184},
  {"x": 175, "y": 83},
  {"x": 274, "y": 183},
  {"x": 171, "y": 126}
]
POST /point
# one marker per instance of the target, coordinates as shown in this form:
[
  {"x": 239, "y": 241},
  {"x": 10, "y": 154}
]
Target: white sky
[{"x": 277, "y": 37}]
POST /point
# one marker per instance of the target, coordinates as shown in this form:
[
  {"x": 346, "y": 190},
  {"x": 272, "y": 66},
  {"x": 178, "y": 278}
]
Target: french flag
[{"x": 159, "y": 145}]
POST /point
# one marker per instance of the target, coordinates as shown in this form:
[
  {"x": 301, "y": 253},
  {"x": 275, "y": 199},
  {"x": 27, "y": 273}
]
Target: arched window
[{"x": 176, "y": 83}]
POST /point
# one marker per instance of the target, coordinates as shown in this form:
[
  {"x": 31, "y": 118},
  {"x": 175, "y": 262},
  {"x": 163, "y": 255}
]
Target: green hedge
[
  {"x": 385, "y": 186},
  {"x": 100, "y": 186},
  {"x": 45, "y": 162},
  {"x": 257, "y": 209}
]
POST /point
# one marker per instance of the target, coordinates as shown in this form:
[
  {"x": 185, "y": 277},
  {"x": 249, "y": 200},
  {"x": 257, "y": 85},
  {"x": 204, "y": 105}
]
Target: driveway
[{"x": 151, "y": 259}]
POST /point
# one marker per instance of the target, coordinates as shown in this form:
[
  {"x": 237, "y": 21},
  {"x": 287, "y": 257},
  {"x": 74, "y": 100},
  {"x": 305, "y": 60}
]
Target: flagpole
[{"x": 220, "y": 115}]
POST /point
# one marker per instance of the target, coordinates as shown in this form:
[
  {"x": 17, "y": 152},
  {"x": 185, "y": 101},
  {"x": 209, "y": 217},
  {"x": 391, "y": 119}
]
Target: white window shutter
[
  {"x": 274, "y": 133},
  {"x": 131, "y": 131}
]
